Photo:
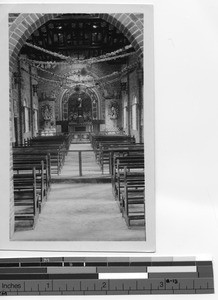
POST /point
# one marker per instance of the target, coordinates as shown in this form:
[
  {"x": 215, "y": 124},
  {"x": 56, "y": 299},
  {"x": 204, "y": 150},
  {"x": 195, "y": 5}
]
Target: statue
[
  {"x": 47, "y": 112},
  {"x": 114, "y": 112}
]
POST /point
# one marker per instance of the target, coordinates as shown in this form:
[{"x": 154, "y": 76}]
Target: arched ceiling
[{"x": 80, "y": 36}]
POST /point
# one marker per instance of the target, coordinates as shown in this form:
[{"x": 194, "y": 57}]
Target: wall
[
  {"x": 22, "y": 95},
  {"x": 15, "y": 104},
  {"x": 20, "y": 90},
  {"x": 133, "y": 95},
  {"x": 132, "y": 101},
  {"x": 26, "y": 92},
  {"x": 35, "y": 102},
  {"x": 29, "y": 98}
]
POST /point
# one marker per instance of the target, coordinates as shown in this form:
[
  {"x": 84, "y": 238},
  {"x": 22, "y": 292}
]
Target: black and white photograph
[{"x": 79, "y": 171}]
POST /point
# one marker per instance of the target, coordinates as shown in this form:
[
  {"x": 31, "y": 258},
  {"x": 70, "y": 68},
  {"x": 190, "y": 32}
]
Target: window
[
  {"x": 36, "y": 120},
  {"x": 26, "y": 119},
  {"x": 134, "y": 114},
  {"x": 94, "y": 110},
  {"x": 124, "y": 113}
]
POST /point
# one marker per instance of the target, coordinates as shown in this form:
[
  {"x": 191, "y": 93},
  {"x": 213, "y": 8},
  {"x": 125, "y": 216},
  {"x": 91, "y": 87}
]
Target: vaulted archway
[{"x": 131, "y": 25}]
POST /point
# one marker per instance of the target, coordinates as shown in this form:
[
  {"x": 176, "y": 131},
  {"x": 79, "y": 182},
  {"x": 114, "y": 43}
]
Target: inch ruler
[{"x": 105, "y": 276}]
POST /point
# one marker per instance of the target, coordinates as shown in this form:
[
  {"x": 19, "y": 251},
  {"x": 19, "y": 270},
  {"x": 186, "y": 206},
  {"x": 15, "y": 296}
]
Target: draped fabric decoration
[
  {"x": 69, "y": 60},
  {"x": 67, "y": 82}
]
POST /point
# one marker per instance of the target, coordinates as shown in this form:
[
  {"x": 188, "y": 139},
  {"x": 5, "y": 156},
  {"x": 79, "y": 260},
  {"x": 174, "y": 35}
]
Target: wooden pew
[
  {"x": 107, "y": 151},
  {"x": 60, "y": 138},
  {"x": 133, "y": 197},
  {"x": 104, "y": 145},
  {"x": 133, "y": 163},
  {"x": 26, "y": 204},
  {"x": 56, "y": 160},
  {"x": 21, "y": 158},
  {"x": 96, "y": 139},
  {"x": 52, "y": 148},
  {"x": 133, "y": 200},
  {"x": 57, "y": 146},
  {"x": 63, "y": 140},
  {"x": 128, "y": 183},
  {"x": 23, "y": 173}
]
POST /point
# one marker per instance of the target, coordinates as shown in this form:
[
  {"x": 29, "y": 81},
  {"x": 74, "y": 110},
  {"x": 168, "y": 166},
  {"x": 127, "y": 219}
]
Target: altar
[
  {"x": 80, "y": 127},
  {"x": 80, "y": 114}
]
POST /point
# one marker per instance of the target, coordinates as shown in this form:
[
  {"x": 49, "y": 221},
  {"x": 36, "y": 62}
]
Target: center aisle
[
  {"x": 81, "y": 211},
  {"x": 89, "y": 165}
]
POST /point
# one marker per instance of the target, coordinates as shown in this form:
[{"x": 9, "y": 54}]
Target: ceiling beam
[{"x": 76, "y": 17}]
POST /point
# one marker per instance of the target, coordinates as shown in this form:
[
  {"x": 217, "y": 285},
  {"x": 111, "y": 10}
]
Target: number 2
[{"x": 103, "y": 285}]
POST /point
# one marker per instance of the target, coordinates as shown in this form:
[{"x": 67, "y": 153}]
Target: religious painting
[{"x": 81, "y": 128}]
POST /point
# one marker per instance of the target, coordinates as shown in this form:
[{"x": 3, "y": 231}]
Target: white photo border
[{"x": 149, "y": 131}]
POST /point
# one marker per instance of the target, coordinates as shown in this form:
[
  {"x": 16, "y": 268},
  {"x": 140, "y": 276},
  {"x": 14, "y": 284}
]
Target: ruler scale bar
[
  {"x": 105, "y": 275},
  {"x": 173, "y": 275}
]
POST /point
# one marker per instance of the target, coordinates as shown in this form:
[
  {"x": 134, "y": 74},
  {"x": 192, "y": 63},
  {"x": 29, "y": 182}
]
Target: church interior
[{"x": 76, "y": 123}]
